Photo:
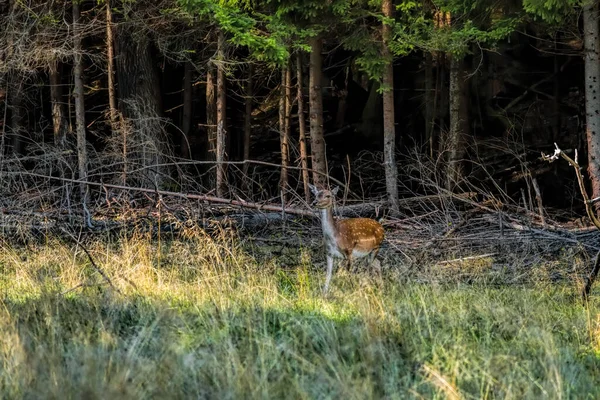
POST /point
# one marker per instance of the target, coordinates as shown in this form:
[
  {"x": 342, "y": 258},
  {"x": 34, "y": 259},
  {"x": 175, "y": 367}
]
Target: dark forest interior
[{"x": 178, "y": 70}]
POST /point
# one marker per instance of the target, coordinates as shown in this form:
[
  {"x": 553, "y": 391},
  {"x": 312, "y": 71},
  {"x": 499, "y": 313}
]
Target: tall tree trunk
[
  {"x": 211, "y": 112},
  {"x": 221, "y": 126},
  {"x": 14, "y": 88},
  {"x": 591, "y": 37},
  {"x": 371, "y": 127},
  {"x": 79, "y": 102},
  {"x": 443, "y": 102},
  {"x": 140, "y": 105},
  {"x": 59, "y": 122},
  {"x": 319, "y": 161},
  {"x": 248, "y": 118},
  {"x": 16, "y": 94},
  {"x": 340, "y": 117},
  {"x": 288, "y": 102},
  {"x": 456, "y": 144},
  {"x": 302, "y": 128},
  {"x": 186, "y": 123},
  {"x": 110, "y": 54},
  {"x": 284, "y": 137},
  {"x": 389, "y": 130},
  {"x": 556, "y": 93},
  {"x": 430, "y": 96}
]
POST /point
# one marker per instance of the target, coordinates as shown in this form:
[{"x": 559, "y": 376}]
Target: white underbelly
[
  {"x": 333, "y": 251},
  {"x": 359, "y": 254}
]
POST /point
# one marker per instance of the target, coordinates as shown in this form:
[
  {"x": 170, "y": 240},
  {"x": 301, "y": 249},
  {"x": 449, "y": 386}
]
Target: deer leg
[
  {"x": 329, "y": 272},
  {"x": 349, "y": 264},
  {"x": 372, "y": 261}
]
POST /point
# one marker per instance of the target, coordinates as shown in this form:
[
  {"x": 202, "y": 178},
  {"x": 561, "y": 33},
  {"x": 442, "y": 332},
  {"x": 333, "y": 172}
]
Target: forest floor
[{"x": 204, "y": 316}]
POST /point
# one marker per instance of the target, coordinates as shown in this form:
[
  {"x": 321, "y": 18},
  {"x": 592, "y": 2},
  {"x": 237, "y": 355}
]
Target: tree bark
[
  {"x": 15, "y": 96},
  {"x": 458, "y": 123},
  {"x": 211, "y": 111},
  {"x": 221, "y": 127},
  {"x": 284, "y": 137},
  {"x": 556, "y": 93},
  {"x": 248, "y": 117},
  {"x": 110, "y": 54},
  {"x": 442, "y": 102},
  {"x": 429, "y": 102},
  {"x": 302, "y": 128},
  {"x": 59, "y": 121},
  {"x": 319, "y": 161},
  {"x": 340, "y": 117},
  {"x": 389, "y": 130},
  {"x": 140, "y": 105},
  {"x": 591, "y": 36},
  {"x": 79, "y": 102},
  {"x": 288, "y": 103},
  {"x": 186, "y": 123}
]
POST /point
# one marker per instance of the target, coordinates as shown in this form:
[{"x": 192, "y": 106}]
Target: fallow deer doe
[{"x": 346, "y": 238}]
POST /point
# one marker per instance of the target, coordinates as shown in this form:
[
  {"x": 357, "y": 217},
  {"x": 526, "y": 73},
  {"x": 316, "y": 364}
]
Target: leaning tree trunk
[
  {"x": 319, "y": 162},
  {"x": 284, "y": 136},
  {"x": 221, "y": 127},
  {"x": 302, "y": 128},
  {"x": 59, "y": 121},
  {"x": 591, "y": 36},
  {"x": 455, "y": 144},
  {"x": 389, "y": 131},
  {"x": 140, "y": 105},
  {"x": 79, "y": 102}
]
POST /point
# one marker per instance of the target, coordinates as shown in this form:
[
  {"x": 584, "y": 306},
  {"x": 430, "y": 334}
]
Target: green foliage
[
  {"x": 240, "y": 26},
  {"x": 468, "y": 21},
  {"x": 551, "y": 11}
]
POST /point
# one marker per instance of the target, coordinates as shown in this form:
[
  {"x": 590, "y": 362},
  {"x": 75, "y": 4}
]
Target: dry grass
[{"x": 202, "y": 317}]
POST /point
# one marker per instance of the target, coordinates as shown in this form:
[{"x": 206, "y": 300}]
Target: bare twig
[
  {"x": 538, "y": 197},
  {"x": 96, "y": 267},
  {"x": 588, "y": 208},
  {"x": 588, "y": 204}
]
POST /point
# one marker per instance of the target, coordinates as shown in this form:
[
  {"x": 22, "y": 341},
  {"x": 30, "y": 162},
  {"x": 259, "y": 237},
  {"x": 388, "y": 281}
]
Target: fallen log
[{"x": 350, "y": 209}]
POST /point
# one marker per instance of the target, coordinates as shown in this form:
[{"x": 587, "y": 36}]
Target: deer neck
[{"x": 329, "y": 228}]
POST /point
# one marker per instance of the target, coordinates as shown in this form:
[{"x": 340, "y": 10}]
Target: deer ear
[
  {"x": 335, "y": 190},
  {"x": 313, "y": 189}
]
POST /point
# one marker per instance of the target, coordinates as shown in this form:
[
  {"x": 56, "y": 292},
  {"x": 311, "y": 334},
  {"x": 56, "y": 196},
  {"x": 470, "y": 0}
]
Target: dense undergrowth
[{"x": 200, "y": 317}]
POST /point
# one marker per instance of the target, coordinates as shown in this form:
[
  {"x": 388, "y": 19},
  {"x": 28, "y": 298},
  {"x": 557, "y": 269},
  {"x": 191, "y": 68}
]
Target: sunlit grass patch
[{"x": 203, "y": 317}]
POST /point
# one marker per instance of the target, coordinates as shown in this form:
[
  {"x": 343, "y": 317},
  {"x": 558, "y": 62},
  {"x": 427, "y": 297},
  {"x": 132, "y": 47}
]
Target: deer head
[{"x": 324, "y": 198}]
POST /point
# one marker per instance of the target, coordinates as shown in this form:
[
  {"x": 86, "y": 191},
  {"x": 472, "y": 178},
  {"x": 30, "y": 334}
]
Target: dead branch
[
  {"x": 355, "y": 208},
  {"x": 574, "y": 163},
  {"x": 538, "y": 198},
  {"x": 209, "y": 199},
  {"x": 94, "y": 265},
  {"x": 588, "y": 208}
]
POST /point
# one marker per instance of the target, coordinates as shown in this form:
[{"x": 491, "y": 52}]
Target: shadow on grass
[{"x": 99, "y": 347}]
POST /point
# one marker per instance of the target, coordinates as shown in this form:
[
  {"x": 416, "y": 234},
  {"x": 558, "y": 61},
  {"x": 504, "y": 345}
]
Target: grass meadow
[{"x": 205, "y": 317}]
